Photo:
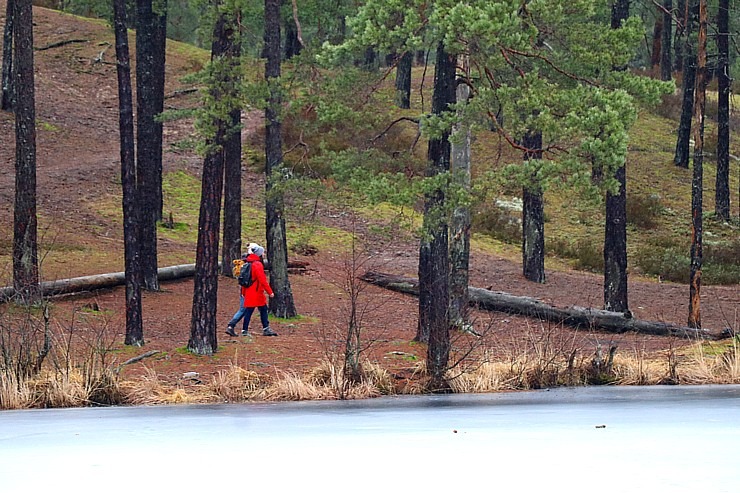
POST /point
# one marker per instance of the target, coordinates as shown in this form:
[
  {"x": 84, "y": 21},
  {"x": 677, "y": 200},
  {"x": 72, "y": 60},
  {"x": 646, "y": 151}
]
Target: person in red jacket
[{"x": 254, "y": 296}]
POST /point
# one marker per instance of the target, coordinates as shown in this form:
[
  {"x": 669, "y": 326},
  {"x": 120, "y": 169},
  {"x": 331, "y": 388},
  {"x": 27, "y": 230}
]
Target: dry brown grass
[
  {"x": 235, "y": 384},
  {"x": 703, "y": 363},
  {"x": 150, "y": 389},
  {"x": 713, "y": 364},
  {"x": 52, "y": 389},
  {"x": 289, "y": 386},
  {"x": 14, "y": 394}
]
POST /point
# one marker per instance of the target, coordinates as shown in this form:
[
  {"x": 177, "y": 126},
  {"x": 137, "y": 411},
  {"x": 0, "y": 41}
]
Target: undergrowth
[{"x": 544, "y": 358}]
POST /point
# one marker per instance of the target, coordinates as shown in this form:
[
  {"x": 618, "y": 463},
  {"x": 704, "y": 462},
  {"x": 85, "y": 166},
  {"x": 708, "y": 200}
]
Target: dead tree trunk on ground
[{"x": 574, "y": 316}]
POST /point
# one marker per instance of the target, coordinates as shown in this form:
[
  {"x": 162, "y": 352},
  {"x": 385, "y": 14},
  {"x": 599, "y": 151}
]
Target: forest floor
[{"x": 78, "y": 169}]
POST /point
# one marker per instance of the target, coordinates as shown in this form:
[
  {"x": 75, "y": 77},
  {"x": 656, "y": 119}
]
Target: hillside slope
[{"x": 81, "y": 234}]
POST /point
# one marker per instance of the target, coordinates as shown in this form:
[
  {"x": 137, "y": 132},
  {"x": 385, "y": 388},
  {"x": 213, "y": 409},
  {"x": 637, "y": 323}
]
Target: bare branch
[
  {"x": 403, "y": 118},
  {"x": 551, "y": 64},
  {"x": 136, "y": 359}
]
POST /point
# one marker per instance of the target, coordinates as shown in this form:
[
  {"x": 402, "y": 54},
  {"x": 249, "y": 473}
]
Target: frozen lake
[{"x": 605, "y": 439}]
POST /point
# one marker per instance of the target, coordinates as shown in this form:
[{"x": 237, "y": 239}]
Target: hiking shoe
[
  {"x": 267, "y": 331},
  {"x": 246, "y": 333},
  {"x": 230, "y": 331}
]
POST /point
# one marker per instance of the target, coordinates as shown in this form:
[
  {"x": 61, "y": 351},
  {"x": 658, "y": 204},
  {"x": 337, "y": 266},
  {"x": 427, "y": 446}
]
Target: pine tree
[
  {"x": 6, "y": 100},
  {"x": 25, "y": 235},
  {"x": 205, "y": 284},
  {"x": 697, "y": 181},
  {"x": 434, "y": 262},
  {"x": 724, "y": 84},
  {"x": 134, "y": 325},
  {"x": 282, "y": 303},
  {"x": 150, "y": 45}
]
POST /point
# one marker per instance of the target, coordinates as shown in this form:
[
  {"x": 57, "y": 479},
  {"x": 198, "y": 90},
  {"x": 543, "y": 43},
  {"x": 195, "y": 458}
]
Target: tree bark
[
  {"x": 134, "y": 324},
  {"x": 678, "y": 41},
  {"x": 574, "y": 316},
  {"x": 434, "y": 261},
  {"x": 657, "y": 54},
  {"x": 698, "y": 175},
  {"x": 205, "y": 285},
  {"x": 615, "y": 247},
  {"x": 666, "y": 65},
  {"x": 615, "y": 229},
  {"x": 292, "y": 43},
  {"x": 533, "y": 215},
  {"x": 148, "y": 136},
  {"x": 460, "y": 222},
  {"x": 370, "y": 60},
  {"x": 6, "y": 100},
  {"x": 282, "y": 304},
  {"x": 403, "y": 81},
  {"x": 681, "y": 157},
  {"x": 620, "y": 13},
  {"x": 160, "y": 59},
  {"x": 25, "y": 234},
  {"x": 232, "y": 243},
  {"x": 724, "y": 83}
]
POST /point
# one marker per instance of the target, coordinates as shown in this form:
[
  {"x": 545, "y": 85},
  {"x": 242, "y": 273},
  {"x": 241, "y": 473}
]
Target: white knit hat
[{"x": 256, "y": 249}]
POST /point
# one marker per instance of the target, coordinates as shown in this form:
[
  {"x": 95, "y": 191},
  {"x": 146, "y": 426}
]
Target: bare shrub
[{"x": 25, "y": 339}]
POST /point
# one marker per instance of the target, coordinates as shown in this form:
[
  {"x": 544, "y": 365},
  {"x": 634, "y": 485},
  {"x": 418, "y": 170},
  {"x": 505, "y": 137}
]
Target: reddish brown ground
[{"x": 78, "y": 163}]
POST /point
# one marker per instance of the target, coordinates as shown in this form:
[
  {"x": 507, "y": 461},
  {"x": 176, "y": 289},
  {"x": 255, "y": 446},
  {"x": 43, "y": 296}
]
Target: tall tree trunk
[
  {"x": 657, "y": 52},
  {"x": 724, "y": 82},
  {"x": 282, "y": 304},
  {"x": 702, "y": 80},
  {"x": 160, "y": 59},
  {"x": 615, "y": 246},
  {"x": 292, "y": 44},
  {"x": 6, "y": 103},
  {"x": 434, "y": 263},
  {"x": 232, "y": 244},
  {"x": 460, "y": 222},
  {"x": 666, "y": 65},
  {"x": 370, "y": 60},
  {"x": 25, "y": 234},
  {"x": 205, "y": 284},
  {"x": 620, "y": 12},
  {"x": 134, "y": 324},
  {"x": 615, "y": 228},
  {"x": 403, "y": 81},
  {"x": 678, "y": 39},
  {"x": 148, "y": 137},
  {"x": 681, "y": 157},
  {"x": 533, "y": 216}
]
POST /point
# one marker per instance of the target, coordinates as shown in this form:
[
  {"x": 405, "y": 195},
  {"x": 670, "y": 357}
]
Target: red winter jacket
[{"x": 254, "y": 295}]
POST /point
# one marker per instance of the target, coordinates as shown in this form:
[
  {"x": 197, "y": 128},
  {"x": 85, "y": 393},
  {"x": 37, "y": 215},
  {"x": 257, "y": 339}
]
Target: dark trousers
[{"x": 263, "y": 316}]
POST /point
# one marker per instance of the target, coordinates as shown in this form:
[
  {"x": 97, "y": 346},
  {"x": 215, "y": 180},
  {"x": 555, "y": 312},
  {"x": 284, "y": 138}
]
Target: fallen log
[
  {"x": 99, "y": 281},
  {"x": 57, "y": 44},
  {"x": 574, "y": 316},
  {"x": 111, "y": 280}
]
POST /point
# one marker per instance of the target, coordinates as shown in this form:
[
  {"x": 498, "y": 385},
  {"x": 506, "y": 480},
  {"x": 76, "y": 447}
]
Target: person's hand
[{"x": 271, "y": 295}]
